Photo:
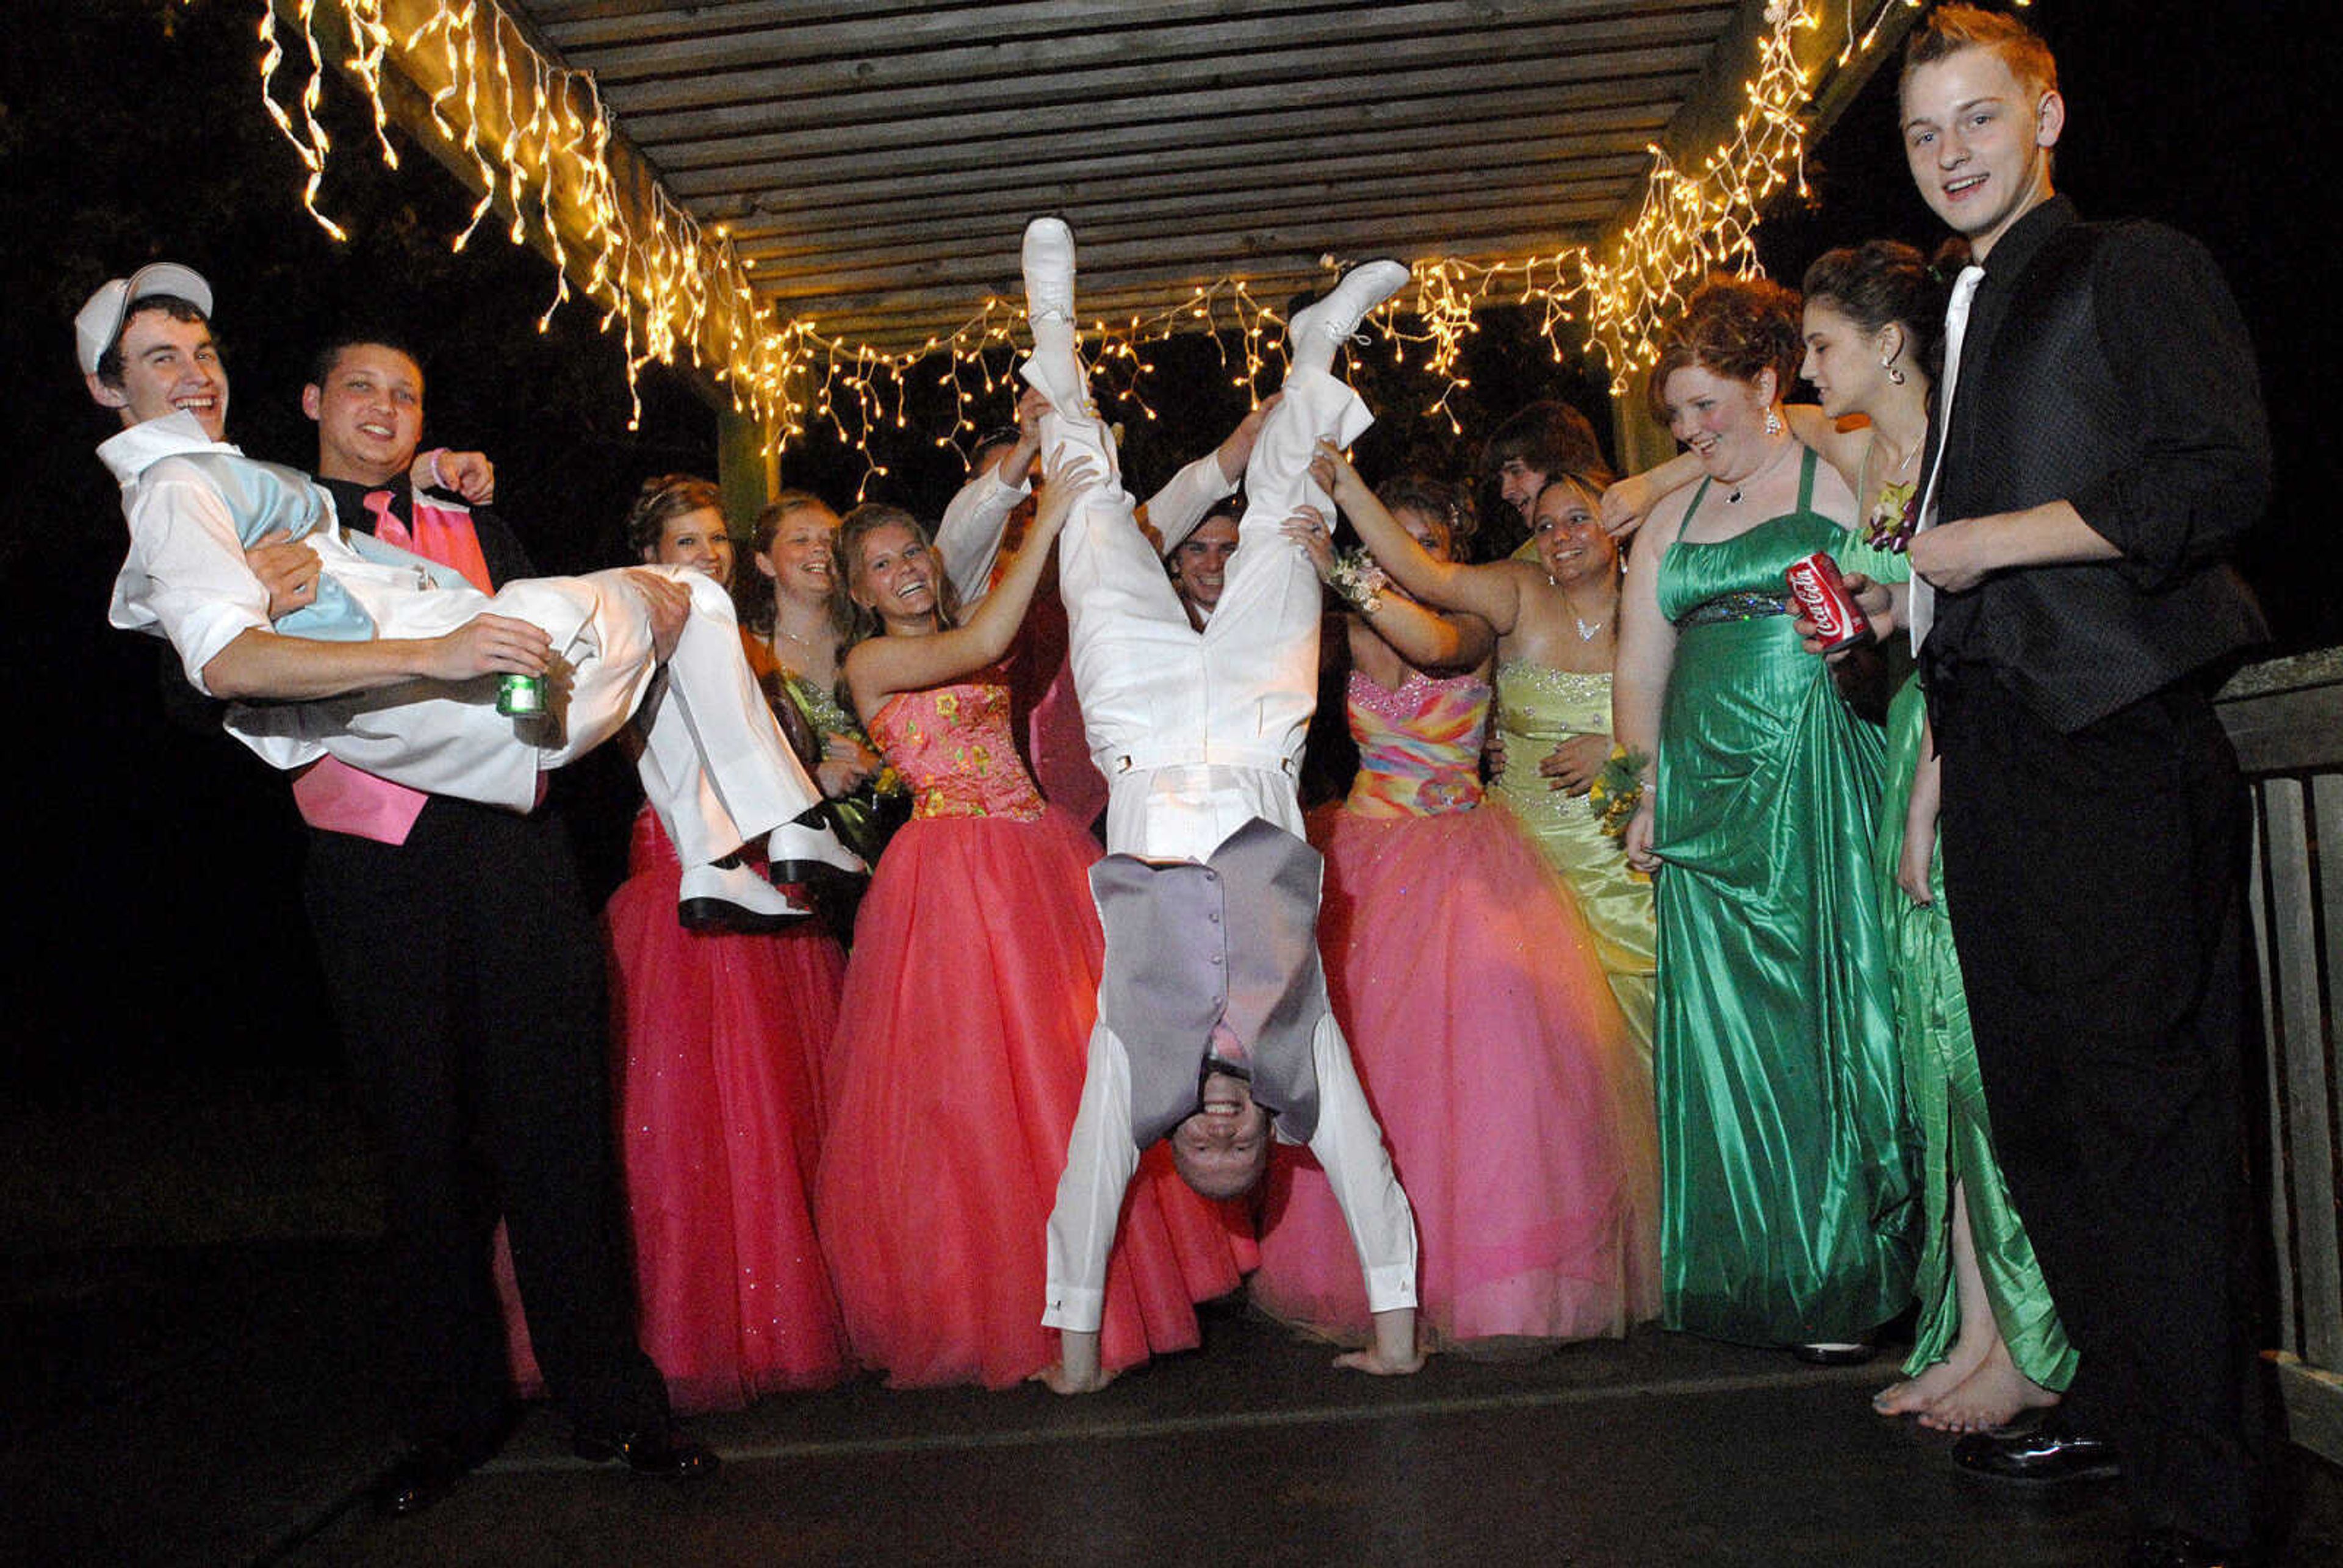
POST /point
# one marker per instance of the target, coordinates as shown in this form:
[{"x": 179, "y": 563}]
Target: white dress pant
[{"x": 714, "y": 763}]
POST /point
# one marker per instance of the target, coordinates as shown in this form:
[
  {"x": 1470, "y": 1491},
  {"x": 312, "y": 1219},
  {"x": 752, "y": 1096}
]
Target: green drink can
[{"x": 521, "y": 695}]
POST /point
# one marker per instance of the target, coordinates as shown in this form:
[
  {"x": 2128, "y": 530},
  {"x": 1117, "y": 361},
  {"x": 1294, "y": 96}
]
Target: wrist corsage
[
  {"x": 1617, "y": 791},
  {"x": 1359, "y": 580}
]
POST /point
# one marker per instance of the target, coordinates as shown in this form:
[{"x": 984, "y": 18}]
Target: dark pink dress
[{"x": 956, "y": 1072}]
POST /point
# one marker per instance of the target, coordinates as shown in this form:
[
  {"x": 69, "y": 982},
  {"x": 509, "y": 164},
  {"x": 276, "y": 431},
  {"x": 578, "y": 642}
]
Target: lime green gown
[
  {"x": 1946, "y": 1094},
  {"x": 1538, "y": 709},
  {"x": 1787, "y": 1194}
]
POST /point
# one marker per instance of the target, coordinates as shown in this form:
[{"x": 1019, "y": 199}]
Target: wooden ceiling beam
[
  {"x": 1204, "y": 190},
  {"x": 690, "y": 73},
  {"x": 1201, "y": 255},
  {"x": 904, "y": 321},
  {"x": 1405, "y": 206},
  {"x": 815, "y": 27},
  {"x": 943, "y": 172},
  {"x": 1140, "y": 120},
  {"x": 1085, "y": 102}
]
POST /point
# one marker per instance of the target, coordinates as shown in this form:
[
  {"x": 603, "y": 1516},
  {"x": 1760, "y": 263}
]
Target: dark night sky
[{"x": 160, "y": 928}]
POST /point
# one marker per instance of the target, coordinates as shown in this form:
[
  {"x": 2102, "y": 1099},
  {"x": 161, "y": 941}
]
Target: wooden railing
[{"x": 2286, "y": 719}]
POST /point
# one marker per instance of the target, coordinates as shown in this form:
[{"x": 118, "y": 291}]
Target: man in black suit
[
  {"x": 467, "y": 974},
  {"x": 2103, "y": 450}
]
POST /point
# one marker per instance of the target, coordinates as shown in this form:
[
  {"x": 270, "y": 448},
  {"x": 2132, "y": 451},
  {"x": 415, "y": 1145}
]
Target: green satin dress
[
  {"x": 1538, "y": 709},
  {"x": 1948, "y": 1099},
  {"x": 1787, "y": 1195}
]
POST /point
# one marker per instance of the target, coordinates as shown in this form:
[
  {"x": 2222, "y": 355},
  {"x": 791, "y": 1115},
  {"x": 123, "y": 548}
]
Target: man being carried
[{"x": 386, "y": 660}]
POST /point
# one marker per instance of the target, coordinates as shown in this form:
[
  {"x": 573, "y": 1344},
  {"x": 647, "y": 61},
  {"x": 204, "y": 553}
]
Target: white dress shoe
[
  {"x": 807, "y": 851},
  {"x": 1055, "y": 368},
  {"x": 1048, "y": 263},
  {"x": 733, "y": 898},
  {"x": 1314, "y": 333}
]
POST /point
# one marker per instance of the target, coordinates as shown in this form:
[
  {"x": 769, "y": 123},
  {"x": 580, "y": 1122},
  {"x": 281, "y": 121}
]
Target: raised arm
[
  {"x": 1424, "y": 638},
  {"x": 1493, "y": 592},
  {"x": 967, "y": 539},
  {"x": 1174, "y": 511},
  {"x": 880, "y": 667}
]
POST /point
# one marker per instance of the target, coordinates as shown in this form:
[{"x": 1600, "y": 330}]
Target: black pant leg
[
  {"x": 379, "y": 912},
  {"x": 2096, "y": 882},
  {"x": 535, "y": 956}
]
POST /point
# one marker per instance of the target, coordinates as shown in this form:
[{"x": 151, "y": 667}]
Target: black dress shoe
[
  {"x": 2043, "y": 1456},
  {"x": 427, "y": 1471},
  {"x": 657, "y": 1451},
  {"x": 2171, "y": 1548}
]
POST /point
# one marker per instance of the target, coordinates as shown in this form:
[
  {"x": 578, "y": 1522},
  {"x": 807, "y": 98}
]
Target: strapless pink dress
[
  {"x": 717, "y": 1046},
  {"x": 956, "y": 1072},
  {"x": 1516, "y": 1107}
]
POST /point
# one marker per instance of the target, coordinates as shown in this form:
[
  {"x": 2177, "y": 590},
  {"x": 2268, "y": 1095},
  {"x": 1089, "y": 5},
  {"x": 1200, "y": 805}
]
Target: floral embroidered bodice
[{"x": 953, "y": 744}]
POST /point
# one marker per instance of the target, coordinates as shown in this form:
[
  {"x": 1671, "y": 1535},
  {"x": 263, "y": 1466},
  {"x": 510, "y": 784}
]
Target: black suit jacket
[{"x": 2106, "y": 365}]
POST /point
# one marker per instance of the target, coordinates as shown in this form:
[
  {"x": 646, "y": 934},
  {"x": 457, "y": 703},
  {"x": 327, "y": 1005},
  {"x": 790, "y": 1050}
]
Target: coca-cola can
[{"x": 1822, "y": 593}]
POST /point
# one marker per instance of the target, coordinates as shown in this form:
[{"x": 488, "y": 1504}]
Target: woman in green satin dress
[
  {"x": 1989, "y": 1342},
  {"x": 1556, "y": 618},
  {"x": 1787, "y": 1194}
]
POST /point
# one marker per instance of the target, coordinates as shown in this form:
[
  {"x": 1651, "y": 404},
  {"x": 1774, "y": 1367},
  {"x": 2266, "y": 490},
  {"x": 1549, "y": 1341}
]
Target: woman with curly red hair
[{"x": 1786, "y": 1197}]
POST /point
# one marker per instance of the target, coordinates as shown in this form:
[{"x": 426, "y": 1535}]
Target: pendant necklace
[
  {"x": 1586, "y": 629},
  {"x": 808, "y": 644},
  {"x": 1732, "y": 497}
]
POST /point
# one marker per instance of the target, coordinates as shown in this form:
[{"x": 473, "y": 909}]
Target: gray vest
[{"x": 1232, "y": 941}]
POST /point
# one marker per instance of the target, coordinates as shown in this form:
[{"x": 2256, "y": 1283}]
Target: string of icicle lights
[{"x": 538, "y": 134}]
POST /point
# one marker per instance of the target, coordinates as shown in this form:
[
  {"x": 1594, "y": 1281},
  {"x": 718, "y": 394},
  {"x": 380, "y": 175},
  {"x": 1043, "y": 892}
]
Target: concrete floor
[
  {"x": 186, "y": 1303},
  {"x": 215, "y": 1405}
]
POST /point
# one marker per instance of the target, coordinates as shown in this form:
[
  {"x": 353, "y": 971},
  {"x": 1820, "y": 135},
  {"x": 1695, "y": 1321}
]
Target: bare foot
[
  {"x": 1988, "y": 1397},
  {"x": 1058, "y": 1380},
  {"x": 1916, "y": 1395},
  {"x": 1373, "y": 1361}
]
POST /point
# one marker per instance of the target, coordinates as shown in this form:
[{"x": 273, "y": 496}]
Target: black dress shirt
[
  {"x": 2106, "y": 365},
  {"x": 500, "y": 548}
]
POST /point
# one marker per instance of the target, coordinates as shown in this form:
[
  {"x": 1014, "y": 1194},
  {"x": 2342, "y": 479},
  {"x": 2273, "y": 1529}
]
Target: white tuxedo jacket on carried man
[
  {"x": 714, "y": 764},
  {"x": 1198, "y": 733}
]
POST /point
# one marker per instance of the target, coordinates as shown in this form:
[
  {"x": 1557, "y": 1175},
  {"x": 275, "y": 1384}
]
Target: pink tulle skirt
[
  {"x": 717, "y": 1043},
  {"x": 954, "y": 1082},
  {"x": 719, "y": 1110},
  {"x": 1516, "y": 1108}
]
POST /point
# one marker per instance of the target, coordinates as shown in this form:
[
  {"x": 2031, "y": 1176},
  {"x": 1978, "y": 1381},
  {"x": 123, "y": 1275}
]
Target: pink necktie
[{"x": 387, "y": 526}]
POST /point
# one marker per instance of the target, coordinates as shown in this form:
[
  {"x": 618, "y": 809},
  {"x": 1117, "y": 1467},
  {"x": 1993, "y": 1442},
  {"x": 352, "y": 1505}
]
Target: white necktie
[{"x": 1921, "y": 608}]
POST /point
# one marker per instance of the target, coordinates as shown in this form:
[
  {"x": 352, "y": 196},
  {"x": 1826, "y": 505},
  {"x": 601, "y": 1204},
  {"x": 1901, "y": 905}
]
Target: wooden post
[{"x": 747, "y": 476}]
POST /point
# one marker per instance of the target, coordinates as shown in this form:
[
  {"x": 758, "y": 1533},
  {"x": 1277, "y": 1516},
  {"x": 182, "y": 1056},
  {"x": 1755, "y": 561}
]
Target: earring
[
  {"x": 1893, "y": 374},
  {"x": 1773, "y": 423}
]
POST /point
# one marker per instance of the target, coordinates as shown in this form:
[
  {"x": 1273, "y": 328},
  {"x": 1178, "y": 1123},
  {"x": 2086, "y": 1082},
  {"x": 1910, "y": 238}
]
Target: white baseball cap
[{"x": 102, "y": 318}]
